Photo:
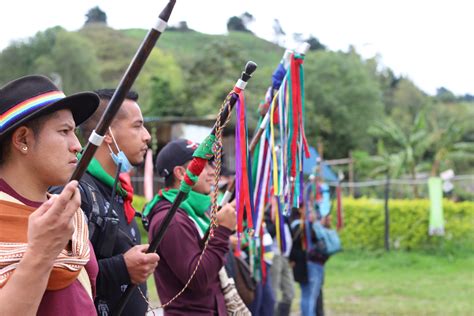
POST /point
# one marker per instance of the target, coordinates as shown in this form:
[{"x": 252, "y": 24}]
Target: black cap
[{"x": 175, "y": 153}]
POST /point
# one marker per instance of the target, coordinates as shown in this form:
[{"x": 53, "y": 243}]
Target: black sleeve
[{"x": 112, "y": 273}]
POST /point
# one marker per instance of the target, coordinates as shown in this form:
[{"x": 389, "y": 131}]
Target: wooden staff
[{"x": 97, "y": 136}]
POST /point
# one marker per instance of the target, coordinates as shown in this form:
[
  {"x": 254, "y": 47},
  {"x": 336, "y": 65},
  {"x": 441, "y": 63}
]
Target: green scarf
[
  {"x": 97, "y": 171},
  {"x": 195, "y": 205}
]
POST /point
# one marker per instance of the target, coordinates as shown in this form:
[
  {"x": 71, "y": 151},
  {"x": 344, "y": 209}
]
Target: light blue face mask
[{"x": 119, "y": 158}]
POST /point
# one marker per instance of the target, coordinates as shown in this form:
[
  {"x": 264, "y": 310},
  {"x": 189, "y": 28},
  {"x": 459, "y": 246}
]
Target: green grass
[
  {"x": 395, "y": 283},
  {"x": 399, "y": 283}
]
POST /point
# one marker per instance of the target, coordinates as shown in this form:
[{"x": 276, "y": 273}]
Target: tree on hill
[
  {"x": 96, "y": 15},
  {"x": 445, "y": 95},
  {"x": 66, "y": 56},
  {"x": 181, "y": 27},
  {"x": 240, "y": 23},
  {"x": 314, "y": 43},
  {"x": 468, "y": 97}
]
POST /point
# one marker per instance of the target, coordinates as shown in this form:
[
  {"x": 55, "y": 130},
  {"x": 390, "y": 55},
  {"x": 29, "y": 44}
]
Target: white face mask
[{"x": 119, "y": 158}]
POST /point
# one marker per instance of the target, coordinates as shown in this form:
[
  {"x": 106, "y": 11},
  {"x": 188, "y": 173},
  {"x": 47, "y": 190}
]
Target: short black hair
[
  {"x": 170, "y": 180},
  {"x": 5, "y": 147},
  {"x": 36, "y": 126},
  {"x": 105, "y": 96}
]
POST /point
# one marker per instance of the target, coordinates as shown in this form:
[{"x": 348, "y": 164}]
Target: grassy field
[
  {"x": 395, "y": 283},
  {"x": 399, "y": 283}
]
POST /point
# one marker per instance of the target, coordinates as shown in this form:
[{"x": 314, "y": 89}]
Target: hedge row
[{"x": 364, "y": 226}]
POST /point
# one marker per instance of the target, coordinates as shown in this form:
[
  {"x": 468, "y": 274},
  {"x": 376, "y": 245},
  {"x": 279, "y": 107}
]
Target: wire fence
[{"x": 462, "y": 187}]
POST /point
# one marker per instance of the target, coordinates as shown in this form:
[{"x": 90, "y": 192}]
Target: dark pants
[
  {"x": 264, "y": 302},
  {"x": 319, "y": 304}
]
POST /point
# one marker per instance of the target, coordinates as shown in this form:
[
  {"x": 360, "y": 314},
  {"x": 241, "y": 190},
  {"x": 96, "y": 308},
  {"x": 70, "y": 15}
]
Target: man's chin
[{"x": 138, "y": 162}]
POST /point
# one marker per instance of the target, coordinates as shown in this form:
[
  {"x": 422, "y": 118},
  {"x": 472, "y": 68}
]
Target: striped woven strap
[{"x": 66, "y": 266}]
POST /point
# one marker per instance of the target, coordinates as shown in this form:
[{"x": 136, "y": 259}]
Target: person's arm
[
  {"x": 49, "y": 230},
  {"x": 181, "y": 249},
  {"x": 112, "y": 273}
]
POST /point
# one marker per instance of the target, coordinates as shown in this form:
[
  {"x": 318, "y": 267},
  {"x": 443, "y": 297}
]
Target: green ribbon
[
  {"x": 97, "y": 171},
  {"x": 195, "y": 205},
  {"x": 205, "y": 149}
]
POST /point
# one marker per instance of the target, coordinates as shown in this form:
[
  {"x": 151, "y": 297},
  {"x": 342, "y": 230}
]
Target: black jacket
[{"x": 111, "y": 237}]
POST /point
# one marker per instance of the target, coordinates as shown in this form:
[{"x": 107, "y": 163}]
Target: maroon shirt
[
  {"x": 179, "y": 253},
  {"x": 72, "y": 300}
]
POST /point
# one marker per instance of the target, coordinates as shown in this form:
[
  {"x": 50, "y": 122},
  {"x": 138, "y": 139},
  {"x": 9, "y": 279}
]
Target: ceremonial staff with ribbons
[
  {"x": 260, "y": 141},
  {"x": 210, "y": 148},
  {"x": 277, "y": 78}
]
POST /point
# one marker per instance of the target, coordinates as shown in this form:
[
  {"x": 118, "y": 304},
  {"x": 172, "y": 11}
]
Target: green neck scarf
[
  {"x": 195, "y": 205},
  {"x": 97, "y": 171}
]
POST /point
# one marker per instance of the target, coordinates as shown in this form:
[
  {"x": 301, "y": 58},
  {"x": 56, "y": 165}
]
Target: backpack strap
[{"x": 103, "y": 225}]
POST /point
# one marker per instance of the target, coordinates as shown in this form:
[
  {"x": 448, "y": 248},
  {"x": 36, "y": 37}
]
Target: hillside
[{"x": 186, "y": 46}]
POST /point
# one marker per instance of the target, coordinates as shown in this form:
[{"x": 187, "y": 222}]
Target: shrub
[{"x": 409, "y": 220}]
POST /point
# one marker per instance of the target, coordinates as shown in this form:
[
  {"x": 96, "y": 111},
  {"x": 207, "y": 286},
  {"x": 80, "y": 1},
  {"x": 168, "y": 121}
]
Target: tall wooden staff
[{"x": 97, "y": 136}]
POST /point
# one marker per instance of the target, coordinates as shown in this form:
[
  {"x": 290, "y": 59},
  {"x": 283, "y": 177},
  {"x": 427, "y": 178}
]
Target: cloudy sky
[{"x": 431, "y": 42}]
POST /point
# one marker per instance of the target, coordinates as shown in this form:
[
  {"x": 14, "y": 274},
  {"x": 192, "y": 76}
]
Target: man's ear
[
  {"x": 22, "y": 137},
  {"x": 107, "y": 138},
  {"x": 179, "y": 172}
]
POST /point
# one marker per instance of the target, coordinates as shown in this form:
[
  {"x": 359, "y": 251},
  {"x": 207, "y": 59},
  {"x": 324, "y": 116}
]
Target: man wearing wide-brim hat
[{"x": 46, "y": 264}]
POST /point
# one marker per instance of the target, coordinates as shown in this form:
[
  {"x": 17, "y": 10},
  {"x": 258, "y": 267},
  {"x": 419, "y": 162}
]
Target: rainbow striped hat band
[
  {"x": 28, "y": 106},
  {"x": 28, "y": 97}
]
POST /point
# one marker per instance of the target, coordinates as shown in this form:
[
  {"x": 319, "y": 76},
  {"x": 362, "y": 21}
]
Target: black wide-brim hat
[{"x": 28, "y": 97}]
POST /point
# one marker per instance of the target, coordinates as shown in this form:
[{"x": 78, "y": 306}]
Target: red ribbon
[
  {"x": 126, "y": 184},
  {"x": 244, "y": 192}
]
